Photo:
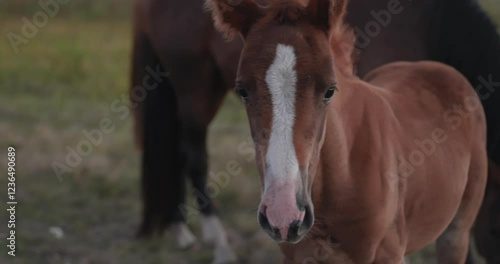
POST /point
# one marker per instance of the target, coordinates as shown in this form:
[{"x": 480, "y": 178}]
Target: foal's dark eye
[
  {"x": 329, "y": 93},
  {"x": 242, "y": 92}
]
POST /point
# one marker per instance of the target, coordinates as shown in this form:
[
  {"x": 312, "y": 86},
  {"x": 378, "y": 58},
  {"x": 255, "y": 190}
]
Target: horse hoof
[
  {"x": 185, "y": 239},
  {"x": 186, "y": 242},
  {"x": 212, "y": 230}
]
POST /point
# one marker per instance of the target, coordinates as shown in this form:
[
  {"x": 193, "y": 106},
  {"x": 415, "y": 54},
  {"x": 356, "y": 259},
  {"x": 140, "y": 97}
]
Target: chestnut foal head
[{"x": 286, "y": 80}]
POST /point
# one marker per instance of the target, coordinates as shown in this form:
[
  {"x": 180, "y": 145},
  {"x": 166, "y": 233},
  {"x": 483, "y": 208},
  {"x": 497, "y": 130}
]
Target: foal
[{"x": 378, "y": 170}]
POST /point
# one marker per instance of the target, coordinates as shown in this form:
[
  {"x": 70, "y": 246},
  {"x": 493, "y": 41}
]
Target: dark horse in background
[{"x": 171, "y": 120}]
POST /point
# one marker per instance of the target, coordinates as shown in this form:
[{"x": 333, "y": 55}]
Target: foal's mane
[
  {"x": 342, "y": 38},
  {"x": 326, "y": 15},
  {"x": 343, "y": 42},
  {"x": 286, "y": 12}
]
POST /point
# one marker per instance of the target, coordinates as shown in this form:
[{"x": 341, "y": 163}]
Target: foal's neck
[
  {"x": 345, "y": 122},
  {"x": 339, "y": 131}
]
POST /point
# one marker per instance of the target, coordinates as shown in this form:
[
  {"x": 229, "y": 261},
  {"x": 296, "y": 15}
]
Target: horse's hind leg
[{"x": 453, "y": 244}]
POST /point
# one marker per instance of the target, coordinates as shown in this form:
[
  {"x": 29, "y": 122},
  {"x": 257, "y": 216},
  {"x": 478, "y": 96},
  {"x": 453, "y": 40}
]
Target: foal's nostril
[
  {"x": 264, "y": 223},
  {"x": 266, "y": 226}
]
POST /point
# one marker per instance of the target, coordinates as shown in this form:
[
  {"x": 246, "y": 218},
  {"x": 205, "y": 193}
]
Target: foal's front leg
[{"x": 452, "y": 245}]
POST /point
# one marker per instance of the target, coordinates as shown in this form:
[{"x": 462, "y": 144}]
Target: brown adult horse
[
  {"x": 171, "y": 121},
  {"x": 339, "y": 158}
]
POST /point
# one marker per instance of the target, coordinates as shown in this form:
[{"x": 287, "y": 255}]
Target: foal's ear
[
  {"x": 327, "y": 14},
  {"x": 233, "y": 16}
]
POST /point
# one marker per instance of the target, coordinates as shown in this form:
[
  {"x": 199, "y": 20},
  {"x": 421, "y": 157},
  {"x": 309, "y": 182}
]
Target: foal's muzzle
[{"x": 291, "y": 232}]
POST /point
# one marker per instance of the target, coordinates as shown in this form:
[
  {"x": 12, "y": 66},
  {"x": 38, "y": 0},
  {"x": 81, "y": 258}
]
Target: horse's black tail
[
  {"x": 468, "y": 40},
  {"x": 156, "y": 128}
]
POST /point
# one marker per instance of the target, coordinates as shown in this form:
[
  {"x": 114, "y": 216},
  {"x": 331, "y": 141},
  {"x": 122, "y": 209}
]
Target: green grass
[
  {"x": 492, "y": 7},
  {"x": 62, "y": 82},
  {"x": 83, "y": 9},
  {"x": 68, "y": 59}
]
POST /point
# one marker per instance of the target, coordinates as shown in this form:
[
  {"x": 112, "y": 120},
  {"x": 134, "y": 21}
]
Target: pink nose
[{"x": 283, "y": 216}]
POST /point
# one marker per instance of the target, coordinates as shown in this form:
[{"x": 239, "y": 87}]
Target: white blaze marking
[{"x": 281, "y": 78}]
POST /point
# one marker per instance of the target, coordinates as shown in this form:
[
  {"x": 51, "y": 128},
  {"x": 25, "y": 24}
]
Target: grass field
[{"x": 62, "y": 83}]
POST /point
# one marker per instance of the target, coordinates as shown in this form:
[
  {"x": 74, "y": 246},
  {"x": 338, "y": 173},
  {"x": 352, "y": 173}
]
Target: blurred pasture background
[{"x": 63, "y": 81}]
